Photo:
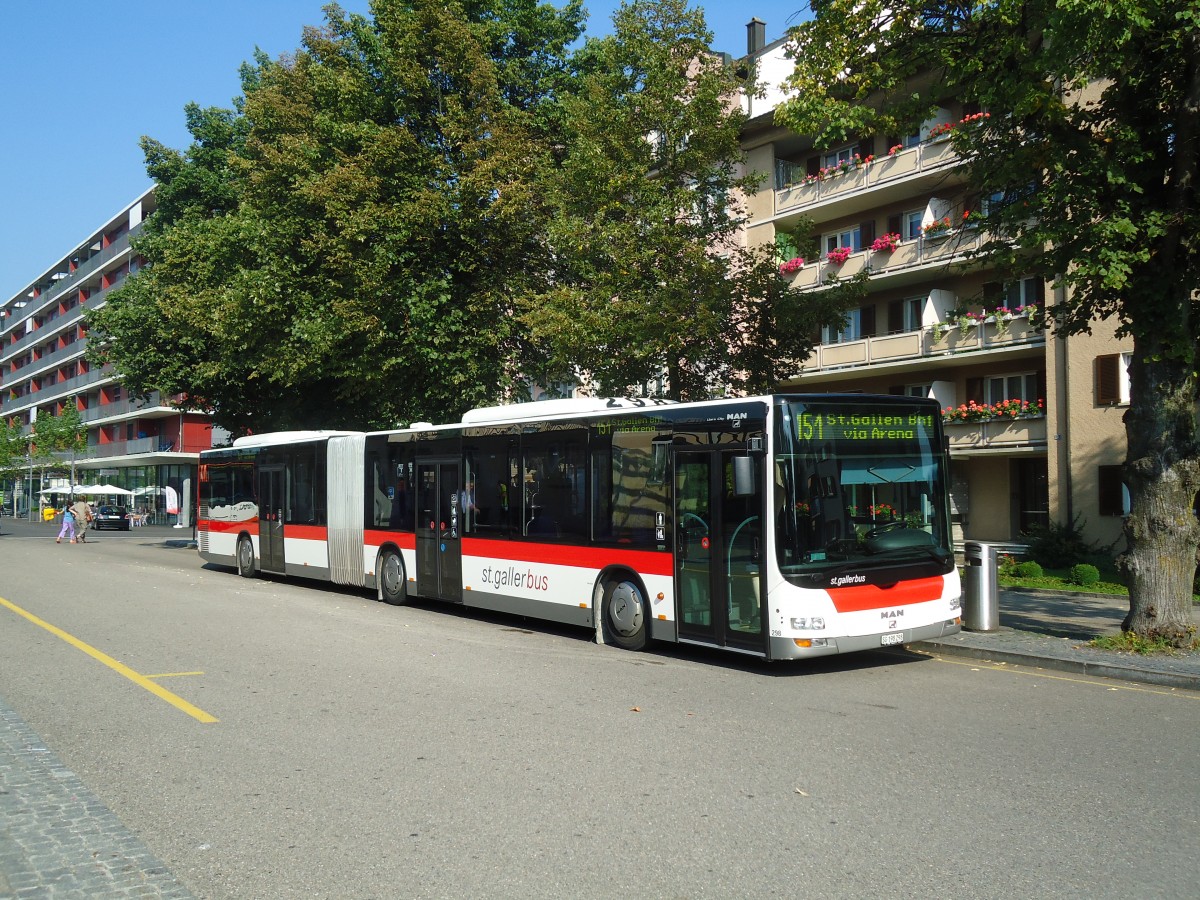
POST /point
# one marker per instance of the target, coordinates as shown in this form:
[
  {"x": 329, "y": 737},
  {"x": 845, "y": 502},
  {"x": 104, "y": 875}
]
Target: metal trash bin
[{"x": 981, "y": 587}]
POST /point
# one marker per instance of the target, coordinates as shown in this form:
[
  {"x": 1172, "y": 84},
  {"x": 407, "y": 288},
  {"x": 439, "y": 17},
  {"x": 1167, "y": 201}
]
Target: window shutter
[
  {"x": 975, "y": 390},
  {"x": 1041, "y": 388},
  {"x": 867, "y": 232},
  {"x": 993, "y": 293},
  {"x": 813, "y": 165},
  {"x": 1108, "y": 379},
  {"x": 892, "y": 141},
  {"x": 1039, "y": 290},
  {"x": 867, "y": 321},
  {"x": 893, "y": 225},
  {"x": 895, "y": 317},
  {"x": 897, "y": 389}
]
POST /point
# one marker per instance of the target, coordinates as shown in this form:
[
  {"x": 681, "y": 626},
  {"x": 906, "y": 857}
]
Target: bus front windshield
[{"x": 859, "y": 484}]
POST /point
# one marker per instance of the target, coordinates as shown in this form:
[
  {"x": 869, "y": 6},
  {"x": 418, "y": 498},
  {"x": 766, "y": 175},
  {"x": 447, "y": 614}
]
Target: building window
[
  {"x": 912, "y": 390},
  {"x": 831, "y": 334},
  {"x": 1011, "y": 387},
  {"x": 1113, "y": 495},
  {"x": 1112, "y": 379},
  {"x": 910, "y": 223},
  {"x": 842, "y": 155},
  {"x": 851, "y": 239},
  {"x": 1028, "y": 291},
  {"x": 905, "y": 315}
]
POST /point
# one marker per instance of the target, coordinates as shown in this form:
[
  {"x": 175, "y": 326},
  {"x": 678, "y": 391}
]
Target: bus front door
[
  {"x": 270, "y": 518},
  {"x": 718, "y": 552},
  {"x": 439, "y": 531}
]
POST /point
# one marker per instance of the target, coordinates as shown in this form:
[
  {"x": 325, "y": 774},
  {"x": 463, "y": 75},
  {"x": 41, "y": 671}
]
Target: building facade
[
  {"x": 141, "y": 445},
  {"x": 1034, "y": 422}
]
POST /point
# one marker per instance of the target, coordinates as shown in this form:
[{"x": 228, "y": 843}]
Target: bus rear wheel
[
  {"x": 245, "y": 557},
  {"x": 392, "y": 586},
  {"x": 625, "y": 615}
]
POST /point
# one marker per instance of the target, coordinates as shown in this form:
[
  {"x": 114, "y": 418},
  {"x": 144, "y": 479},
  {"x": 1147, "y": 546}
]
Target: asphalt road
[{"x": 361, "y": 750}]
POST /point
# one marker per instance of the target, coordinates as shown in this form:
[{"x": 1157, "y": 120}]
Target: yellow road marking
[
  {"x": 137, "y": 678},
  {"x": 172, "y": 674},
  {"x": 1030, "y": 669}
]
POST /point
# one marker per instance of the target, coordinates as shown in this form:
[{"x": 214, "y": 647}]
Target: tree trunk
[{"x": 1162, "y": 471}]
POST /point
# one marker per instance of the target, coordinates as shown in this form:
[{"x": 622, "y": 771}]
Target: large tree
[
  {"x": 1093, "y": 142},
  {"x": 347, "y": 245},
  {"x": 649, "y": 277}
]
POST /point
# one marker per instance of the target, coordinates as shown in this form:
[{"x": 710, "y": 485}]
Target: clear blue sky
[{"x": 86, "y": 79}]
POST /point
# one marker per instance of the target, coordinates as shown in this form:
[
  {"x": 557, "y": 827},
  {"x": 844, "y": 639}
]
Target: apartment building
[
  {"x": 937, "y": 323},
  {"x": 142, "y": 445}
]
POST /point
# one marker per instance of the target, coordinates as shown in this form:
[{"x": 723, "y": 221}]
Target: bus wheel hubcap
[
  {"x": 625, "y": 609},
  {"x": 391, "y": 574}
]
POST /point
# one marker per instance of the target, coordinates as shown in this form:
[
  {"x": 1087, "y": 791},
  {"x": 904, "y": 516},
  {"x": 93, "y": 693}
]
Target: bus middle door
[
  {"x": 270, "y": 518},
  {"x": 439, "y": 530},
  {"x": 718, "y": 551}
]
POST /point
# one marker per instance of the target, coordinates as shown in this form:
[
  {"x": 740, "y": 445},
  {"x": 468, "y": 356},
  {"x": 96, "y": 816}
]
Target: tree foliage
[
  {"x": 13, "y": 447},
  {"x": 1090, "y": 150},
  {"x": 346, "y": 246},
  {"x": 648, "y": 273}
]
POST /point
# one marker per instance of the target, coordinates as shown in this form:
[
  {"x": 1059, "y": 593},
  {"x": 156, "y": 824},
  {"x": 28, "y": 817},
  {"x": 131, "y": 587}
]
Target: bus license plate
[{"x": 897, "y": 638}]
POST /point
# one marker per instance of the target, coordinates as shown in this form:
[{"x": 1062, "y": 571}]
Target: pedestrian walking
[
  {"x": 83, "y": 517},
  {"x": 68, "y": 526}
]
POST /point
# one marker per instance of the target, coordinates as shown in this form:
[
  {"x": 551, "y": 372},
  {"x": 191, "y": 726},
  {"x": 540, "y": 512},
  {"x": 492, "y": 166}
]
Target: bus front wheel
[
  {"x": 625, "y": 615},
  {"x": 392, "y": 586},
  {"x": 245, "y": 557}
]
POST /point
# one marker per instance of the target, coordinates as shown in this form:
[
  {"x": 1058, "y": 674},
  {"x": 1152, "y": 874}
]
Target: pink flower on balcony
[
  {"x": 838, "y": 255},
  {"x": 886, "y": 243},
  {"x": 792, "y": 266}
]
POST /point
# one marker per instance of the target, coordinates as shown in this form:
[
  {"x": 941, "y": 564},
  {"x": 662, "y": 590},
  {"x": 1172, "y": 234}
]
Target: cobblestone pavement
[{"x": 57, "y": 840}]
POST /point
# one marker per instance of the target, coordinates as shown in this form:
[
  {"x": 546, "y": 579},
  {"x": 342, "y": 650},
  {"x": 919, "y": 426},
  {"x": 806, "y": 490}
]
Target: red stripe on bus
[
  {"x": 222, "y": 526},
  {"x": 870, "y": 596},
  {"x": 647, "y": 562},
  {"x": 403, "y": 540},
  {"x": 306, "y": 532}
]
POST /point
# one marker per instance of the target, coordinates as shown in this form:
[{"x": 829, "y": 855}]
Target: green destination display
[{"x": 864, "y": 426}]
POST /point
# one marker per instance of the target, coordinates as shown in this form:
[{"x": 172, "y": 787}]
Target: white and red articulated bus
[{"x": 782, "y": 526}]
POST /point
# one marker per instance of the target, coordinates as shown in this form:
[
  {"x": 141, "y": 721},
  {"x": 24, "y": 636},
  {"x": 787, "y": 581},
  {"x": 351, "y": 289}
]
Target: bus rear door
[
  {"x": 718, "y": 551},
  {"x": 439, "y": 530}
]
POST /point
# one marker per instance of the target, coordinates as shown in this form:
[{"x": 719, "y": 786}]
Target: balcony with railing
[
  {"x": 798, "y": 191},
  {"x": 996, "y": 435},
  {"x": 929, "y": 343},
  {"x": 152, "y": 406},
  {"x": 132, "y": 447},
  {"x": 910, "y": 257}
]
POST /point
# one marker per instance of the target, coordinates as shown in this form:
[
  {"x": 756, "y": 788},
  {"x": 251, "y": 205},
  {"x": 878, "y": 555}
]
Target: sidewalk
[
  {"x": 1051, "y": 631},
  {"x": 167, "y": 534}
]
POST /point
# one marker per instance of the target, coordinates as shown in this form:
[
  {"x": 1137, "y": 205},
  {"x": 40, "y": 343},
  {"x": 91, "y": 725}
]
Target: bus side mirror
[{"x": 743, "y": 476}]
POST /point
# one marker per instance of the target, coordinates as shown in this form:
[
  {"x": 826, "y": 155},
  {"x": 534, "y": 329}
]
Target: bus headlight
[
  {"x": 956, "y": 602},
  {"x": 816, "y": 623}
]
